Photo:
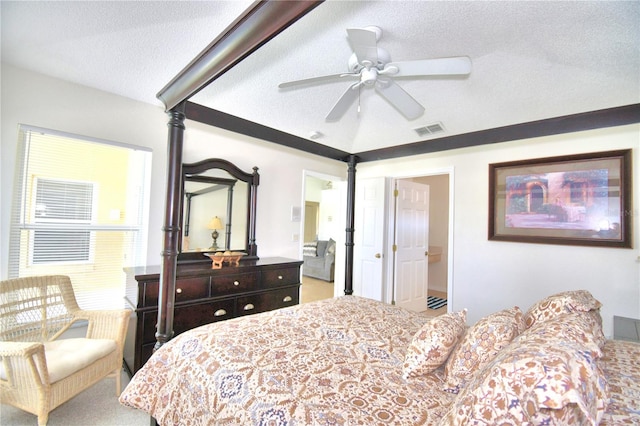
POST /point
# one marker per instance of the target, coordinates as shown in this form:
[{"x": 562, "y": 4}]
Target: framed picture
[{"x": 580, "y": 199}]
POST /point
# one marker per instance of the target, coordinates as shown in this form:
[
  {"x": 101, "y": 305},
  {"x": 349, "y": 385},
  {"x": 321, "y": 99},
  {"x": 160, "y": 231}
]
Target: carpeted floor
[
  {"x": 96, "y": 406},
  {"x": 313, "y": 289}
]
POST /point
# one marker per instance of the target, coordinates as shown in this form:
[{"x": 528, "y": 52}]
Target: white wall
[
  {"x": 491, "y": 275},
  {"x": 31, "y": 98}
]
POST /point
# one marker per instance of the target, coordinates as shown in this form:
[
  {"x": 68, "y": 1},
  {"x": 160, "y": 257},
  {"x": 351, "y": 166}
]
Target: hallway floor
[{"x": 314, "y": 289}]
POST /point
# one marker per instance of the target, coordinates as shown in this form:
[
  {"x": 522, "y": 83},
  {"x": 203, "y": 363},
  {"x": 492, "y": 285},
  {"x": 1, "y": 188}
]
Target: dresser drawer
[
  {"x": 261, "y": 302},
  {"x": 226, "y": 284},
  {"x": 186, "y": 289},
  {"x": 188, "y": 317},
  {"x": 280, "y": 277}
]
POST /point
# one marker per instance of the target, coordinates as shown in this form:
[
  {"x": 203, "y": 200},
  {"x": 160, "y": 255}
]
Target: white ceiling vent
[{"x": 429, "y": 129}]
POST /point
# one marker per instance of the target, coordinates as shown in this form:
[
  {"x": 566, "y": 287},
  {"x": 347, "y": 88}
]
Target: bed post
[
  {"x": 171, "y": 228},
  {"x": 351, "y": 196}
]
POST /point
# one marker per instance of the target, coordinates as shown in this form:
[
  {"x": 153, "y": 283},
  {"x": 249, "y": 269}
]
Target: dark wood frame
[
  {"x": 192, "y": 170},
  {"x": 540, "y": 193}
]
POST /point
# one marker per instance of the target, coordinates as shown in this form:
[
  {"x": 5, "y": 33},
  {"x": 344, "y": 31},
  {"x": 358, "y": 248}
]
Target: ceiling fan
[{"x": 372, "y": 67}]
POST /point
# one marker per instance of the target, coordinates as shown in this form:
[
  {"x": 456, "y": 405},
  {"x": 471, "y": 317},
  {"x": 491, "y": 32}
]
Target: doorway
[
  {"x": 440, "y": 235},
  {"x": 324, "y": 201},
  {"x": 311, "y": 218}
]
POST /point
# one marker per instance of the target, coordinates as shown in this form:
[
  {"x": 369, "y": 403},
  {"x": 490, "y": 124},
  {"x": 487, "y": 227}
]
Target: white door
[
  {"x": 369, "y": 237},
  {"x": 412, "y": 241}
]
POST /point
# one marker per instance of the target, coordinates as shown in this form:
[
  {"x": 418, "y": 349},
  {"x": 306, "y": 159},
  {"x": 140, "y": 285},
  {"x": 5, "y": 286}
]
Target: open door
[
  {"x": 411, "y": 276},
  {"x": 369, "y": 238}
]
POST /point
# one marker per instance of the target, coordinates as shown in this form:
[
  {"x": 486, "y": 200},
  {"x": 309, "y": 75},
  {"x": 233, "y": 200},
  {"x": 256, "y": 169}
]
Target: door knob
[{"x": 378, "y": 255}]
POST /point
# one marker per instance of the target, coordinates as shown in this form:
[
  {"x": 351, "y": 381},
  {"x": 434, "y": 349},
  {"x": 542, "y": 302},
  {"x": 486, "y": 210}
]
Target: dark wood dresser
[{"x": 205, "y": 295}]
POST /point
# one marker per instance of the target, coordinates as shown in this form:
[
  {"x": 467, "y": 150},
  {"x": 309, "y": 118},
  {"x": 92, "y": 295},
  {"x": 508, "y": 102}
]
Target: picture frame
[{"x": 582, "y": 199}]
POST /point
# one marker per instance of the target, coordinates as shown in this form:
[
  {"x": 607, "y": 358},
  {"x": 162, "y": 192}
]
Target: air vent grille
[{"x": 429, "y": 129}]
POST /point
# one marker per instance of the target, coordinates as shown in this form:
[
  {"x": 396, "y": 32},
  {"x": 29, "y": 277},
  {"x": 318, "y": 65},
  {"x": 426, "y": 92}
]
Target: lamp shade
[{"x": 215, "y": 223}]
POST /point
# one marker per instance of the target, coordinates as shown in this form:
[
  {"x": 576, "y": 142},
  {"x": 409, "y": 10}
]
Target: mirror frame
[{"x": 192, "y": 170}]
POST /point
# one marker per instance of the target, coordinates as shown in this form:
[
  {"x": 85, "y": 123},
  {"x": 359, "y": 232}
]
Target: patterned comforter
[{"x": 332, "y": 362}]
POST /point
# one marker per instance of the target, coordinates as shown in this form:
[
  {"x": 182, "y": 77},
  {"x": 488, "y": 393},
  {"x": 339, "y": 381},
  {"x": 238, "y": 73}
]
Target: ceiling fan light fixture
[{"x": 372, "y": 66}]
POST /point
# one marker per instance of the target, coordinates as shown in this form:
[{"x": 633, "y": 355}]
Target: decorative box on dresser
[{"x": 205, "y": 295}]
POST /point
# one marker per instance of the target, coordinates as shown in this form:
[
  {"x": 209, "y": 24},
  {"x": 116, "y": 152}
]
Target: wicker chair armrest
[
  {"x": 106, "y": 324},
  {"x": 24, "y": 364},
  {"x": 20, "y": 349}
]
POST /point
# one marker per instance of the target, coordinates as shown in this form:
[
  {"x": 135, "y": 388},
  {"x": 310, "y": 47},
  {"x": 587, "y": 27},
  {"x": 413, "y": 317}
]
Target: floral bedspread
[
  {"x": 333, "y": 362},
  {"x": 621, "y": 365}
]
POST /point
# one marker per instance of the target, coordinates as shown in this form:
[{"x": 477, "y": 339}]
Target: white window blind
[
  {"x": 60, "y": 203},
  {"x": 80, "y": 209}
]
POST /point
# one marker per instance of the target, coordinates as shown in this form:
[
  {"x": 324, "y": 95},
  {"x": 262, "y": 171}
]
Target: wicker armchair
[{"x": 39, "y": 372}]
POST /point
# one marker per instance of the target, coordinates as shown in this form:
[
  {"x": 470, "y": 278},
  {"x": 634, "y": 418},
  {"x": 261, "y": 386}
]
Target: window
[
  {"x": 80, "y": 209},
  {"x": 60, "y": 203}
]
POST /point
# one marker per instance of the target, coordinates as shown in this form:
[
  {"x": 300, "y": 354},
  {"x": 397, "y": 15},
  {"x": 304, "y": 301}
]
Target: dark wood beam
[
  {"x": 261, "y": 22},
  {"x": 610, "y": 117},
  {"x": 212, "y": 117}
]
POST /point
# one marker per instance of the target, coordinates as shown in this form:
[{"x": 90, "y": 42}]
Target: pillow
[
  {"x": 322, "y": 247},
  {"x": 580, "y": 327},
  {"x": 480, "y": 345},
  {"x": 310, "y": 249},
  {"x": 433, "y": 343},
  {"x": 331, "y": 247},
  {"x": 551, "y": 383},
  {"x": 561, "y": 303}
]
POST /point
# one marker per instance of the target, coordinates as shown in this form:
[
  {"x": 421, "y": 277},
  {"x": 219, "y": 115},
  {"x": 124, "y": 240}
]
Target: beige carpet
[
  {"x": 96, "y": 406},
  {"x": 313, "y": 289}
]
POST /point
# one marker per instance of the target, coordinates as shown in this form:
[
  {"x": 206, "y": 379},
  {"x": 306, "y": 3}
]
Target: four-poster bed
[
  {"x": 349, "y": 360},
  {"x": 255, "y": 27}
]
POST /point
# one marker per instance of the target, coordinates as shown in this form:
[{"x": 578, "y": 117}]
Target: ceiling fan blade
[
  {"x": 317, "y": 80},
  {"x": 460, "y": 65},
  {"x": 364, "y": 44},
  {"x": 343, "y": 104},
  {"x": 400, "y": 99}
]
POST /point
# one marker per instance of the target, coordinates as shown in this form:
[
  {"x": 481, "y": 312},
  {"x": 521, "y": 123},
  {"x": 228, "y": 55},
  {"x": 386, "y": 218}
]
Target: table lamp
[{"x": 215, "y": 223}]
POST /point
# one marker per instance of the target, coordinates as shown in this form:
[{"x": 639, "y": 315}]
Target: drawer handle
[
  {"x": 248, "y": 307},
  {"x": 219, "y": 313},
  {"x": 287, "y": 299},
  {"x": 279, "y": 277},
  {"x": 236, "y": 283},
  {"x": 178, "y": 290}
]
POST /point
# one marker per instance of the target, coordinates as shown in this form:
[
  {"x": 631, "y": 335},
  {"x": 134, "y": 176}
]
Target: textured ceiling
[{"x": 530, "y": 60}]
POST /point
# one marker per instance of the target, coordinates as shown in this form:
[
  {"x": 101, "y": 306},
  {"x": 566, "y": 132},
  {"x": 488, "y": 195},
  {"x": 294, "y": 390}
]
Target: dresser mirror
[{"x": 218, "y": 210}]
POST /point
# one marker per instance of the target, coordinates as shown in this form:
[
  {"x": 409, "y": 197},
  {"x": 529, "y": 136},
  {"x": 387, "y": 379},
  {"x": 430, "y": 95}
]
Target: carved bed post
[
  {"x": 171, "y": 228},
  {"x": 351, "y": 196},
  {"x": 253, "y": 205}
]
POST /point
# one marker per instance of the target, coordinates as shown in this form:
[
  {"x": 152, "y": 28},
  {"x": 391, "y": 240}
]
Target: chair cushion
[{"x": 66, "y": 356}]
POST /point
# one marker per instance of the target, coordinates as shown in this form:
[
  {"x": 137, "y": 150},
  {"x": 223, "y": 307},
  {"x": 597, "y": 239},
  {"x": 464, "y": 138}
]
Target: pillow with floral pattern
[
  {"x": 556, "y": 382},
  {"x": 480, "y": 345},
  {"x": 580, "y": 327},
  {"x": 560, "y": 303},
  {"x": 432, "y": 344}
]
